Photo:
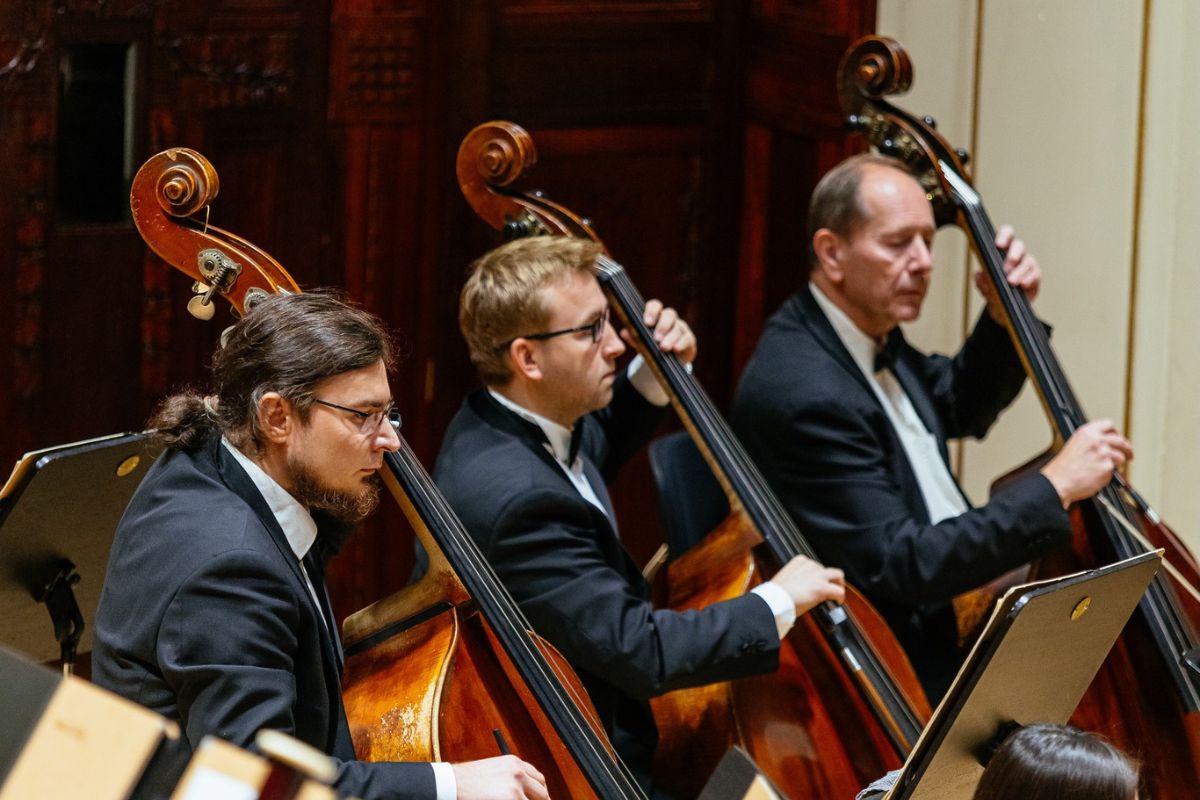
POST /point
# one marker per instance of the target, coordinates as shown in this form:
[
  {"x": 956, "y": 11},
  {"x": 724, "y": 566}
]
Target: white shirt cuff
[
  {"x": 781, "y": 605},
  {"x": 443, "y": 779},
  {"x": 642, "y": 378}
]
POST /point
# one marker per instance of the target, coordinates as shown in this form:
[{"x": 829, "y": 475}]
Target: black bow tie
[
  {"x": 538, "y": 434},
  {"x": 885, "y": 356}
]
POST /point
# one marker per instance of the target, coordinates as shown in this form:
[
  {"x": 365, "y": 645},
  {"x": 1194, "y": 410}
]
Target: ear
[
  {"x": 276, "y": 417},
  {"x": 523, "y": 356},
  {"x": 829, "y": 249}
]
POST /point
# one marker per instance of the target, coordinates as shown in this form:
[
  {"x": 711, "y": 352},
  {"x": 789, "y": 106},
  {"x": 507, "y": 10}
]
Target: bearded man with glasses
[
  {"x": 214, "y": 611},
  {"x": 524, "y": 464}
]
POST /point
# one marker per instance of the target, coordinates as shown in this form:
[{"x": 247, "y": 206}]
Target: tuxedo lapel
[
  {"x": 240, "y": 484},
  {"x": 805, "y": 311},
  {"x": 315, "y": 567},
  {"x": 918, "y": 395},
  {"x": 597, "y": 482},
  {"x": 529, "y": 434},
  {"x": 497, "y": 416}
]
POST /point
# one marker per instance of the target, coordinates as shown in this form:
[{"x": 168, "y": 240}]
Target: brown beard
[{"x": 346, "y": 507}]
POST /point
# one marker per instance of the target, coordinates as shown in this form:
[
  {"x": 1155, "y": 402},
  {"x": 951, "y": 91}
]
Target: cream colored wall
[{"x": 1055, "y": 101}]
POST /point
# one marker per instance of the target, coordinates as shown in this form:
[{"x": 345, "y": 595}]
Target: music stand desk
[
  {"x": 61, "y": 506},
  {"x": 1041, "y": 648}
]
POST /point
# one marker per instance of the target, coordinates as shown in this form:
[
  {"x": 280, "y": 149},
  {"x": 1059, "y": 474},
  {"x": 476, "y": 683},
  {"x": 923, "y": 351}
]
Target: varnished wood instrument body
[
  {"x": 428, "y": 679},
  {"x": 808, "y": 721},
  {"x": 447, "y": 668},
  {"x": 1146, "y": 697},
  {"x": 816, "y": 727}
]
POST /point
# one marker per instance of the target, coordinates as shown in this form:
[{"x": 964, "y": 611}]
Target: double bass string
[
  {"x": 517, "y": 628},
  {"x": 732, "y": 459},
  {"x": 511, "y": 626},
  {"x": 485, "y": 580},
  {"x": 697, "y": 405},
  {"x": 772, "y": 520},
  {"x": 1159, "y": 605}
]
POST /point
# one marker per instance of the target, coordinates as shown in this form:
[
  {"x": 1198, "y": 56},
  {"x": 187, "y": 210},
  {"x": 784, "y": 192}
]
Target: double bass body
[{"x": 805, "y": 725}]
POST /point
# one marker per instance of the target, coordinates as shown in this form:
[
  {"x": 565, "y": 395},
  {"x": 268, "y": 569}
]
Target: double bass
[
  {"x": 1146, "y": 697},
  {"x": 845, "y": 704},
  {"x": 447, "y": 668}
]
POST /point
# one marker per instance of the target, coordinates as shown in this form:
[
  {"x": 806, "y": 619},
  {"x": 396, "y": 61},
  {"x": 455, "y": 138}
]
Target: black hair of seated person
[{"x": 1056, "y": 762}]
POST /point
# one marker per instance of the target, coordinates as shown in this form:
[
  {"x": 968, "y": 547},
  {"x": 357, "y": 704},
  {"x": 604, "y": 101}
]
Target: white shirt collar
[
  {"x": 558, "y": 436},
  {"x": 861, "y": 346},
  {"x": 298, "y": 525}
]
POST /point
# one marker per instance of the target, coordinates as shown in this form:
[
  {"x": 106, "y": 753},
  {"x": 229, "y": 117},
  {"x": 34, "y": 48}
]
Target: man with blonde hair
[{"x": 524, "y": 464}]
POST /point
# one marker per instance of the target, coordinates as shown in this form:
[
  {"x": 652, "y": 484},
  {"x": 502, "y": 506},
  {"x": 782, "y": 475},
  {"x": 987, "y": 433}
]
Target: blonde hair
[{"x": 502, "y": 299}]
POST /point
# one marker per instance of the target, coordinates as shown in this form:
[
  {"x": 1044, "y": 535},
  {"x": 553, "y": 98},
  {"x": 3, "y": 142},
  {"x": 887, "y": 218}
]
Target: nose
[
  {"x": 922, "y": 254},
  {"x": 610, "y": 343},
  {"x": 387, "y": 437}
]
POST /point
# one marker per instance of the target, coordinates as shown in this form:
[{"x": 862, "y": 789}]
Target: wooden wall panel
[{"x": 794, "y": 134}]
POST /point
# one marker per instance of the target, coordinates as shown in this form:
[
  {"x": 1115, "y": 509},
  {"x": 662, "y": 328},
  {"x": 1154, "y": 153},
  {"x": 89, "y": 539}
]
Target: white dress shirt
[
  {"x": 300, "y": 530},
  {"x": 558, "y": 444},
  {"x": 940, "y": 492}
]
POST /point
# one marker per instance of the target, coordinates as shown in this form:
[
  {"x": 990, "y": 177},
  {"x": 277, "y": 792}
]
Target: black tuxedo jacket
[
  {"x": 810, "y": 421},
  {"x": 206, "y": 619},
  {"x": 561, "y": 559}
]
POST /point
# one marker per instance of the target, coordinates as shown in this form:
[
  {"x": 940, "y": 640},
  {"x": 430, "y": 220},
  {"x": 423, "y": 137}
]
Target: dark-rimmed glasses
[
  {"x": 594, "y": 328},
  {"x": 369, "y": 421}
]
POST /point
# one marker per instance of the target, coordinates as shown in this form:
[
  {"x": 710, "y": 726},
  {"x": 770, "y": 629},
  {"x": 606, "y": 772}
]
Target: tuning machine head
[
  {"x": 220, "y": 273},
  {"x": 201, "y": 306}
]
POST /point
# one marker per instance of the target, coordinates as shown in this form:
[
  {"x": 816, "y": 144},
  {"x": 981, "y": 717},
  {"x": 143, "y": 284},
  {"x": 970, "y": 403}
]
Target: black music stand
[
  {"x": 1039, "y": 651},
  {"x": 58, "y": 513}
]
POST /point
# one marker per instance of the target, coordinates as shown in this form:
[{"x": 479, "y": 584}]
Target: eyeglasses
[
  {"x": 369, "y": 421},
  {"x": 594, "y": 328}
]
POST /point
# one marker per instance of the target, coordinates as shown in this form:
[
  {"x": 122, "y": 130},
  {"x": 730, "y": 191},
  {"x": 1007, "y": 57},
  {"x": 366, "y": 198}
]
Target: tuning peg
[
  {"x": 855, "y": 122},
  {"x": 963, "y": 156},
  {"x": 201, "y": 306},
  {"x": 525, "y": 225},
  {"x": 515, "y": 229},
  {"x": 889, "y": 148},
  {"x": 930, "y": 121}
]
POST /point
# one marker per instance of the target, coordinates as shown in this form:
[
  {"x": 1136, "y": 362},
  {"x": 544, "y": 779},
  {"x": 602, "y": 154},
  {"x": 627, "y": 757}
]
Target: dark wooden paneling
[{"x": 794, "y": 134}]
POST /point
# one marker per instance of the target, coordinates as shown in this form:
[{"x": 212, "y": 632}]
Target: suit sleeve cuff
[
  {"x": 642, "y": 378},
  {"x": 781, "y": 605},
  {"x": 443, "y": 779}
]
